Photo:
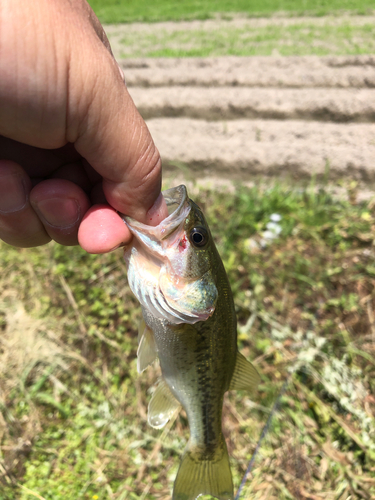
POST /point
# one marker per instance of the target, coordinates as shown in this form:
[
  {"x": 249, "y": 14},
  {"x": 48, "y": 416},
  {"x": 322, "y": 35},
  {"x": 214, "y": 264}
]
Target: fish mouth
[{"x": 178, "y": 205}]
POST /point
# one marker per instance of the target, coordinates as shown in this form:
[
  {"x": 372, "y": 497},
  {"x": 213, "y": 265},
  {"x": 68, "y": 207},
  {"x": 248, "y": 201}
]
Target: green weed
[
  {"x": 73, "y": 408},
  {"x": 121, "y": 11},
  {"x": 305, "y": 38}
]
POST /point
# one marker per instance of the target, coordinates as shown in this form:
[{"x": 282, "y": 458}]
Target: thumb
[
  {"x": 108, "y": 131},
  {"x": 61, "y": 84}
]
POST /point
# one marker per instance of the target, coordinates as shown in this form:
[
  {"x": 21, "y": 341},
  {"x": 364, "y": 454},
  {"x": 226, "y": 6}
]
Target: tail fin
[{"x": 203, "y": 477}]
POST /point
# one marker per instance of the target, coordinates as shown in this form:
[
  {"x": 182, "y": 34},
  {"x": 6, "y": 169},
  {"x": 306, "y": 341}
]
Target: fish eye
[{"x": 199, "y": 236}]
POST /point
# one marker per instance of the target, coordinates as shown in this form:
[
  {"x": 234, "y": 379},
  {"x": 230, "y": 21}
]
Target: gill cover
[{"x": 159, "y": 261}]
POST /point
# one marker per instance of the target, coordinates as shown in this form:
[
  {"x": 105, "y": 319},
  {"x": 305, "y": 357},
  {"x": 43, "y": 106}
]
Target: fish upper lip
[{"x": 174, "y": 196}]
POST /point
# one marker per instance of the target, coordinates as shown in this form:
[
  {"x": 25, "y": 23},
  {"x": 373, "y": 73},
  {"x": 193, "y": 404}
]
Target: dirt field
[{"x": 236, "y": 117}]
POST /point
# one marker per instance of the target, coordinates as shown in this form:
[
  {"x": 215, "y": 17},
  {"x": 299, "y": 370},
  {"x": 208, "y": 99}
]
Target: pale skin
[{"x": 70, "y": 134}]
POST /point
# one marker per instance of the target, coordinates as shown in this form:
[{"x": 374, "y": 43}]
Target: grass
[
  {"x": 244, "y": 37},
  {"x": 334, "y": 37},
  {"x": 125, "y": 11},
  {"x": 73, "y": 409}
]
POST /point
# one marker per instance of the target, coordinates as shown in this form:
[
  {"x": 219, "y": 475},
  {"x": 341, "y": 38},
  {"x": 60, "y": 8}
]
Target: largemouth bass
[{"x": 190, "y": 324}]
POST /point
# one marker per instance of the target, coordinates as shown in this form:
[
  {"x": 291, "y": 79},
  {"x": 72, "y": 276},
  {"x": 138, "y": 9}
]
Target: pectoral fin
[
  {"x": 162, "y": 406},
  {"x": 244, "y": 376},
  {"x": 146, "y": 348}
]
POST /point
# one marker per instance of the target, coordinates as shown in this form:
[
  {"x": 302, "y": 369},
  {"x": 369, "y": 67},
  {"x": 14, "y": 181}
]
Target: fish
[{"x": 189, "y": 324}]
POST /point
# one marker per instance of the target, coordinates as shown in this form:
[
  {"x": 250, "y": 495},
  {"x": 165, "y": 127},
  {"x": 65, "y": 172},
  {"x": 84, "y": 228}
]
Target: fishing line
[{"x": 263, "y": 435}]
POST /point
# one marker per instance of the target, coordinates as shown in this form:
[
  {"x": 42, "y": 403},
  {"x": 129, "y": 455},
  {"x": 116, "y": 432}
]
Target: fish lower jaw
[
  {"x": 193, "y": 318},
  {"x": 207, "y": 314}
]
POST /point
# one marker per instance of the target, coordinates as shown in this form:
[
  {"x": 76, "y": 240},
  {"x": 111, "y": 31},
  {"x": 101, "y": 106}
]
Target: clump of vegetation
[
  {"x": 120, "y": 11},
  {"x": 73, "y": 408},
  {"x": 299, "y": 38}
]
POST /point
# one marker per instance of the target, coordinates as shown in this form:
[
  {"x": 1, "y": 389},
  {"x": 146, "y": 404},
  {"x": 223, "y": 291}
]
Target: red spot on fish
[
  {"x": 182, "y": 244},
  {"x": 150, "y": 218}
]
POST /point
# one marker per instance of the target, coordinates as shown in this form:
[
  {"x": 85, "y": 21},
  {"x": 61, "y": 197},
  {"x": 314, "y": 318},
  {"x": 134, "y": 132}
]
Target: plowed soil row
[
  {"x": 275, "y": 72},
  {"x": 231, "y": 103},
  {"x": 240, "y": 117}
]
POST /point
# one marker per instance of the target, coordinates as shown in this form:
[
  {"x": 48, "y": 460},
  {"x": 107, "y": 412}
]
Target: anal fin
[
  {"x": 146, "y": 352},
  {"x": 244, "y": 376},
  {"x": 162, "y": 406}
]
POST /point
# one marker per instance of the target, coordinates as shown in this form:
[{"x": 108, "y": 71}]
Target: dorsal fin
[
  {"x": 146, "y": 347},
  {"x": 162, "y": 406},
  {"x": 244, "y": 376}
]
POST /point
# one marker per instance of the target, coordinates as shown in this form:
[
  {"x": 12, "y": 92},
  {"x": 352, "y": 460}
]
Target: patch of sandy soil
[
  {"x": 270, "y": 72},
  {"x": 277, "y": 72},
  {"x": 242, "y": 149},
  {"x": 236, "y": 117},
  {"x": 240, "y": 117},
  {"x": 231, "y": 103}
]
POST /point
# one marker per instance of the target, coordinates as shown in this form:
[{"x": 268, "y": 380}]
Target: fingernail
[
  {"x": 12, "y": 193},
  {"x": 121, "y": 73},
  {"x": 59, "y": 212}
]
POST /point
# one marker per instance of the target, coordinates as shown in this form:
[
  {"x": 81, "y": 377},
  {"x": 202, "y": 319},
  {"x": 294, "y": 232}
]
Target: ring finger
[{"x": 19, "y": 224}]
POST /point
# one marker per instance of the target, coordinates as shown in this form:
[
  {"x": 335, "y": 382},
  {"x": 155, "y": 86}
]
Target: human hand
[{"x": 69, "y": 132}]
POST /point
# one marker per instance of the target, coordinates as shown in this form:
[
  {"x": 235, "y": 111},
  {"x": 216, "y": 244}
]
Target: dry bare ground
[{"x": 237, "y": 117}]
